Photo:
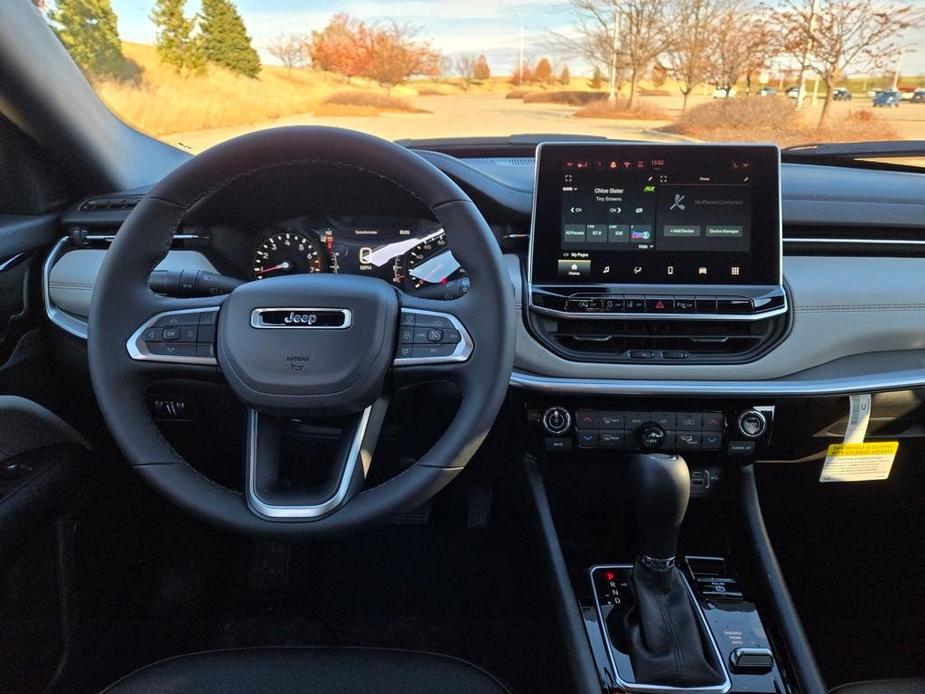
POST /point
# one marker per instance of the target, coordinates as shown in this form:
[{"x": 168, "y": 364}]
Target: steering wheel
[{"x": 301, "y": 346}]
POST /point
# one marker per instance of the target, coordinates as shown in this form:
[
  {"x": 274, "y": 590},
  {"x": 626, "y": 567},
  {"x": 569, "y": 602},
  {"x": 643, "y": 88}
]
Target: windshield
[{"x": 196, "y": 72}]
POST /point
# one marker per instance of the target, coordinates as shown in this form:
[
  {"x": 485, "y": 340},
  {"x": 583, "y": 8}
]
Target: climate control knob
[
  {"x": 752, "y": 424},
  {"x": 557, "y": 420},
  {"x": 651, "y": 437}
]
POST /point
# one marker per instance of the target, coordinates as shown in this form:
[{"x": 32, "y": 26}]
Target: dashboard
[
  {"x": 851, "y": 270},
  {"x": 409, "y": 253}
]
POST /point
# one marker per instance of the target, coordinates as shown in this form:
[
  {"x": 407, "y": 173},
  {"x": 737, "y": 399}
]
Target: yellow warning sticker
[{"x": 859, "y": 462}]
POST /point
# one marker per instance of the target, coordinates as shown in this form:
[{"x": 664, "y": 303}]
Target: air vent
[
  {"x": 115, "y": 203},
  {"x": 707, "y": 341},
  {"x": 808, "y": 239}
]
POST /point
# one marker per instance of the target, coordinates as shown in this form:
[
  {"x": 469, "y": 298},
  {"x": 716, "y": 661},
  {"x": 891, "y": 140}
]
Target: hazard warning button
[{"x": 659, "y": 304}]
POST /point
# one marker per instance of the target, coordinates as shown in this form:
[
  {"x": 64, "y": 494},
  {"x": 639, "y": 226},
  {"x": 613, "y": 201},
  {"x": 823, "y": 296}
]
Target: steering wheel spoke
[
  {"x": 433, "y": 341},
  {"x": 275, "y": 492},
  {"x": 173, "y": 336}
]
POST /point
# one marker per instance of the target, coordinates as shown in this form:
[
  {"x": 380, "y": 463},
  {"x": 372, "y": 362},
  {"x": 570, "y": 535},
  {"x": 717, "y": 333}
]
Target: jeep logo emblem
[{"x": 303, "y": 318}]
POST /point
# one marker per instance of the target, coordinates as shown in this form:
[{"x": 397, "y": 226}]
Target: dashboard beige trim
[{"x": 842, "y": 307}]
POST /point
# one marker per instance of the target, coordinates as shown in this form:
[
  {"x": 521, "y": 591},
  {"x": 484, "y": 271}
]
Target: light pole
[{"x": 807, "y": 50}]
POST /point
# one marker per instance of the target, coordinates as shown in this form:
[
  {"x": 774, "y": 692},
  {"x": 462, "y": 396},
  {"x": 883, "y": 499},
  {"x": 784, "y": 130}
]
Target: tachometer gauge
[
  {"x": 431, "y": 262},
  {"x": 287, "y": 253}
]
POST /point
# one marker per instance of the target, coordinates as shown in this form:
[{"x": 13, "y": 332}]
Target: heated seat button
[
  {"x": 634, "y": 304},
  {"x": 612, "y": 439},
  {"x": 688, "y": 440}
]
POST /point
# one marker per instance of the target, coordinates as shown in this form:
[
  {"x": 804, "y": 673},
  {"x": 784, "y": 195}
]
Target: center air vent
[{"x": 668, "y": 341}]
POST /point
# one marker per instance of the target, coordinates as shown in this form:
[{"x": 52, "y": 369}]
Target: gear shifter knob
[{"x": 661, "y": 487}]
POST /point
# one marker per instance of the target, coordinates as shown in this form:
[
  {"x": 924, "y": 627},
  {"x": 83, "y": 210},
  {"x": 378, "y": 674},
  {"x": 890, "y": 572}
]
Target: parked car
[
  {"x": 841, "y": 94},
  {"x": 792, "y": 92},
  {"x": 918, "y": 96},
  {"x": 724, "y": 92},
  {"x": 887, "y": 98},
  {"x": 872, "y": 93},
  {"x": 767, "y": 91}
]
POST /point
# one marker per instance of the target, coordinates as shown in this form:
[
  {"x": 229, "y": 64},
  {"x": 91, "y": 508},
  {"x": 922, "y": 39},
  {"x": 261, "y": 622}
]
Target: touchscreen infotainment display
[{"x": 614, "y": 213}]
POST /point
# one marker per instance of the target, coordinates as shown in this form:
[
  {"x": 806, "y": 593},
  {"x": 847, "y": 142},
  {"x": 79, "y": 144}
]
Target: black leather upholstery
[
  {"x": 665, "y": 642},
  {"x": 911, "y": 685},
  {"x": 309, "y": 671}
]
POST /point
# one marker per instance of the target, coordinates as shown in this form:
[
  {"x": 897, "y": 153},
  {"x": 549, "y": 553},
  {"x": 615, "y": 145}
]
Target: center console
[
  {"x": 668, "y": 255},
  {"x": 656, "y": 252}
]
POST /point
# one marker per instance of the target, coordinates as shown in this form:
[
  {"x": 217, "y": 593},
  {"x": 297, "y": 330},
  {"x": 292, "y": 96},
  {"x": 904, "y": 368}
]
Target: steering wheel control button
[
  {"x": 557, "y": 420},
  {"x": 427, "y": 337},
  {"x": 752, "y": 424},
  {"x": 186, "y": 337}
]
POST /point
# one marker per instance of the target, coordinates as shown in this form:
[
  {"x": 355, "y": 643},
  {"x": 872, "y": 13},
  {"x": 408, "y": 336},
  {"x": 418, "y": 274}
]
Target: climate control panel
[{"x": 734, "y": 431}]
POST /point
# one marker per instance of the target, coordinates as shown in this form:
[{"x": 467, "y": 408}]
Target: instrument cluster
[{"x": 411, "y": 254}]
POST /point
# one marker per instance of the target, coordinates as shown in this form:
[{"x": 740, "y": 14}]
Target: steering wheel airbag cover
[{"x": 300, "y": 368}]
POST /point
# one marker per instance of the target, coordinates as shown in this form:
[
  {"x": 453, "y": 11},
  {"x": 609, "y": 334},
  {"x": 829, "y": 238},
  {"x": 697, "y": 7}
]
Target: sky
[{"x": 455, "y": 27}]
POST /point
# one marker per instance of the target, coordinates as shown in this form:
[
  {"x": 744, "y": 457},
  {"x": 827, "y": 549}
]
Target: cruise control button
[
  {"x": 426, "y": 321},
  {"x": 435, "y": 335},
  {"x": 406, "y": 336},
  {"x": 451, "y": 337},
  {"x": 172, "y": 349},
  {"x": 419, "y": 351},
  {"x": 206, "y": 334},
  {"x": 171, "y": 320},
  {"x": 407, "y": 318}
]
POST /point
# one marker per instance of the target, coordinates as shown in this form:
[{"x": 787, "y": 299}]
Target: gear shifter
[{"x": 663, "y": 633}]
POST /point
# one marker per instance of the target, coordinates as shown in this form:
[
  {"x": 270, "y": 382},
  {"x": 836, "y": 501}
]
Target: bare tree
[
  {"x": 465, "y": 68},
  {"x": 642, "y": 36},
  {"x": 290, "y": 49},
  {"x": 741, "y": 44},
  {"x": 843, "y": 34},
  {"x": 692, "y": 25}
]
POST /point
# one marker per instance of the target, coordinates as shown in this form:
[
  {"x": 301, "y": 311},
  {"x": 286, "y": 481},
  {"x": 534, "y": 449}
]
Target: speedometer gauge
[
  {"x": 431, "y": 262},
  {"x": 287, "y": 253}
]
